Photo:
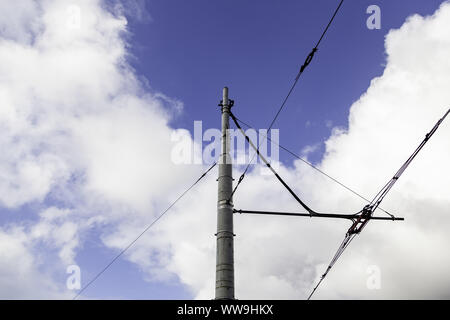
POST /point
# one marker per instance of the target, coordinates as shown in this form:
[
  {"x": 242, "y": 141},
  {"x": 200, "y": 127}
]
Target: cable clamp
[
  {"x": 230, "y": 103},
  {"x": 307, "y": 62}
]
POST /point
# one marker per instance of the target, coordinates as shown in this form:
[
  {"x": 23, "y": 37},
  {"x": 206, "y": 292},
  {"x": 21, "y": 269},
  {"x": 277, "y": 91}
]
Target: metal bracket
[{"x": 230, "y": 103}]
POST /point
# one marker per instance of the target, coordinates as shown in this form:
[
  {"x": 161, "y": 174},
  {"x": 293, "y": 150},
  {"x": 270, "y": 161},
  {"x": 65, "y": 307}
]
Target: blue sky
[{"x": 188, "y": 51}]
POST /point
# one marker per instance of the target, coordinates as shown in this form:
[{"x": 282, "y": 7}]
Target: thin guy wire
[
  {"x": 142, "y": 233},
  {"x": 378, "y": 198},
  {"x": 314, "y": 167}
]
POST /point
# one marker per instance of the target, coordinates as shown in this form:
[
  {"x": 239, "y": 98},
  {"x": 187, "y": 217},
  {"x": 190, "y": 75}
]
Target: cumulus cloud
[
  {"x": 90, "y": 142},
  {"x": 20, "y": 273}
]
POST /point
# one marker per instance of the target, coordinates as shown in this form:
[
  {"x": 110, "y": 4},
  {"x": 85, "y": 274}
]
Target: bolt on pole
[{"x": 225, "y": 241}]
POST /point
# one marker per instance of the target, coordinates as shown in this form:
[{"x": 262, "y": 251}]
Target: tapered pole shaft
[{"x": 225, "y": 250}]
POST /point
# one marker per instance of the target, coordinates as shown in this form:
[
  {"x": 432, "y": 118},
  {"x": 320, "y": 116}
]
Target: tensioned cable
[
  {"x": 329, "y": 23},
  {"x": 356, "y": 217},
  {"x": 374, "y": 204},
  {"x": 364, "y": 215},
  {"x": 313, "y": 166},
  {"x": 345, "y": 243},
  {"x": 302, "y": 68},
  {"x": 359, "y": 224},
  {"x": 145, "y": 230}
]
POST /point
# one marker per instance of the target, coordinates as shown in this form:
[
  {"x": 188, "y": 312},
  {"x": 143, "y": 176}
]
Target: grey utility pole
[{"x": 225, "y": 254}]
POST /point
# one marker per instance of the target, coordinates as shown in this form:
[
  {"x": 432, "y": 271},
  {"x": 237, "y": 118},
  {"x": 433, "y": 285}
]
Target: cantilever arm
[{"x": 317, "y": 215}]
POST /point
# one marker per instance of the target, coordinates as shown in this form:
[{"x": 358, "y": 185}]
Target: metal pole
[{"x": 225, "y": 254}]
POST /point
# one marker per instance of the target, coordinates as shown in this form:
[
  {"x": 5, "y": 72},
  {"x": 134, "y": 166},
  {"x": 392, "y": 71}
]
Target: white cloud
[
  {"x": 19, "y": 22},
  {"x": 76, "y": 124}
]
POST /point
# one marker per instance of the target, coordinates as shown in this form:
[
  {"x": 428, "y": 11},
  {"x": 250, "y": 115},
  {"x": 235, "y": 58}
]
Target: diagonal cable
[
  {"x": 302, "y": 69},
  {"x": 143, "y": 232},
  {"x": 303, "y": 204},
  {"x": 367, "y": 212},
  {"x": 345, "y": 243},
  {"x": 313, "y": 166}
]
